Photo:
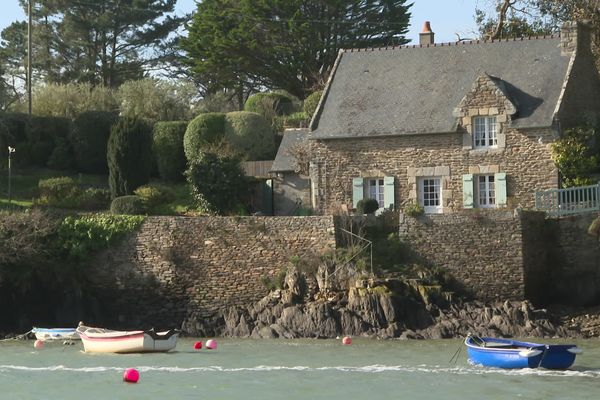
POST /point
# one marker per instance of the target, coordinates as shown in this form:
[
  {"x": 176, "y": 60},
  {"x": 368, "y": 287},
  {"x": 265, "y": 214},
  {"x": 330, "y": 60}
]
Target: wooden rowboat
[
  {"x": 100, "y": 340},
  {"x": 507, "y": 353}
]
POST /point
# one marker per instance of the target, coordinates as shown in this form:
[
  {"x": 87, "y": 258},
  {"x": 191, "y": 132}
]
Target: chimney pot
[{"x": 427, "y": 36}]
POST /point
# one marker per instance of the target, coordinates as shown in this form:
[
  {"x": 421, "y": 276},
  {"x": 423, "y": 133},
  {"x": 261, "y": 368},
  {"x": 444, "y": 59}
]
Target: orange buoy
[
  {"x": 197, "y": 345},
  {"x": 211, "y": 344},
  {"x": 346, "y": 340},
  {"x": 131, "y": 375},
  {"x": 38, "y": 344}
]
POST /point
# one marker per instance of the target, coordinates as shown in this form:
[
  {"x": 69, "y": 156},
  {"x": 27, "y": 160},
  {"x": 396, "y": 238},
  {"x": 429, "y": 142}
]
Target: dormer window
[{"x": 484, "y": 132}]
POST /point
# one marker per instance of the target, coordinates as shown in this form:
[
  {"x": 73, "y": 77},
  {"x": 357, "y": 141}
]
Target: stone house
[{"x": 450, "y": 126}]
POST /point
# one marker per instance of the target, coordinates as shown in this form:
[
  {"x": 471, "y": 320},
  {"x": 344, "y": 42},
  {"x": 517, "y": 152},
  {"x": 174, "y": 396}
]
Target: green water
[{"x": 286, "y": 369}]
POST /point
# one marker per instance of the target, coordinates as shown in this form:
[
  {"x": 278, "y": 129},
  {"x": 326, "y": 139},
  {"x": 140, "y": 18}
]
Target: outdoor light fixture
[{"x": 10, "y": 151}]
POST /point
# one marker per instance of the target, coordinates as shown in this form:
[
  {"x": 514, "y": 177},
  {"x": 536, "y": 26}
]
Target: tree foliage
[
  {"x": 284, "y": 44},
  {"x": 574, "y": 156},
  {"x": 129, "y": 156}
]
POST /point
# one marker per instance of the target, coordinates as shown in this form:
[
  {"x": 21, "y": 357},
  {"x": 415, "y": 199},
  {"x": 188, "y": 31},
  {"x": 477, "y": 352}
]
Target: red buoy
[
  {"x": 211, "y": 344},
  {"x": 38, "y": 344},
  {"x": 346, "y": 340},
  {"x": 198, "y": 345},
  {"x": 131, "y": 375}
]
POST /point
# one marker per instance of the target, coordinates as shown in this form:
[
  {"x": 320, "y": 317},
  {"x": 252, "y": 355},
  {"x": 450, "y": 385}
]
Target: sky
[{"x": 447, "y": 17}]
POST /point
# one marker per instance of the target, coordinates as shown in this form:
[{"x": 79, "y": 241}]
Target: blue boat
[
  {"x": 55, "y": 333},
  {"x": 507, "y": 353}
]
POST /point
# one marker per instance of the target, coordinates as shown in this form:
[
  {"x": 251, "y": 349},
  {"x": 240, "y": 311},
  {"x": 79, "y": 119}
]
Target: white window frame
[
  {"x": 378, "y": 193},
  {"x": 431, "y": 204},
  {"x": 485, "y": 132},
  {"x": 486, "y": 191}
]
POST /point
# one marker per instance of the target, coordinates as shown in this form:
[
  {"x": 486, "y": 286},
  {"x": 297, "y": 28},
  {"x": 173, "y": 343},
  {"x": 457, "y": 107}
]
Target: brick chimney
[
  {"x": 426, "y": 36},
  {"x": 575, "y": 35}
]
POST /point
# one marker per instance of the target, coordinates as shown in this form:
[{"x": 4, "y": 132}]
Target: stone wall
[
  {"x": 174, "y": 266},
  {"x": 574, "y": 261},
  {"x": 482, "y": 251},
  {"x": 526, "y": 160}
]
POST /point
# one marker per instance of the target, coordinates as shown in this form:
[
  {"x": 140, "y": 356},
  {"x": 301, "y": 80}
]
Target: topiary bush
[
  {"x": 218, "y": 183},
  {"x": 127, "y": 205},
  {"x": 154, "y": 195},
  {"x": 167, "y": 146},
  {"x": 367, "y": 206},
  {"x": 129, "y": 156},
  {"x": 267, "y": 104},
  {"x": 55, "y": 189},
  {"x": 89, "y": 139},
  {"x": 311, "y": 103},
  {"x": 205, "y": 129},
  {"x": 250, "y": 135}
]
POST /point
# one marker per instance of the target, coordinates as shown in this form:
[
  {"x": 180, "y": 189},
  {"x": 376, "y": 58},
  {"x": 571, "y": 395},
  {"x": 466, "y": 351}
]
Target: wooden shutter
[
  {"x": 468, "y": 191},
  {"x": 358, "y": 191},
  {"x": 389, "y": 201},
  {"x": 500, "y": 187}
]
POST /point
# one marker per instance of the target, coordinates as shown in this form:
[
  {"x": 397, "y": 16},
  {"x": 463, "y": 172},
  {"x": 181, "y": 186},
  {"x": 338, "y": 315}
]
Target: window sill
[{"x": 485, "y": 151}]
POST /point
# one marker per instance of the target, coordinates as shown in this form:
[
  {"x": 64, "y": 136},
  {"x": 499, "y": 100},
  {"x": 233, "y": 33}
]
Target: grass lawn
[{"x": 24, "y": 189}]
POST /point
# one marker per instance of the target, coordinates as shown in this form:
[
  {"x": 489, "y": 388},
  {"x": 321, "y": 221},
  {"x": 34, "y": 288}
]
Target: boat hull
[
  {"x": 96, "y": 340},
  {"x": 511, "y": 354},
  {"x": 55, "y": 333}
]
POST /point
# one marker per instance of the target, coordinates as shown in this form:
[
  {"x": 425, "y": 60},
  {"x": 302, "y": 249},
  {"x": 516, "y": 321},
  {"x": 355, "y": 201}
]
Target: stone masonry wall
[
  {"x": 526, "y": 160},
  {"x": 483, "y": 251},
  {"x": 178, "y": 265}
]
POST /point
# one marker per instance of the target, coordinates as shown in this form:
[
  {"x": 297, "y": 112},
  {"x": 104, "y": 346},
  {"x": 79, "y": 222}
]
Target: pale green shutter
[
  {"x": 388, "y": 192},
  {"x": 467, "y": 190},
  {"x": 500, "y": 186},
  {"x": 357, "y": 191}
]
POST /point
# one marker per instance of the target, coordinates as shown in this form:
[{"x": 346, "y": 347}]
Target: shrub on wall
[
  {"x": 311, "y": 103},
  {"x": 168, "y": 149},
  {"x": 89, "y": 138},
  {"x": 205, "y": 129},
  {"x": 127, "y": 205},
  {"x": 367, "y": 206},
  {"x": 154, "y": 195},
  {"x": 129, "y": 156},
  {"x": 218, "y": 183},
  {"x": 250, "y": 135}
]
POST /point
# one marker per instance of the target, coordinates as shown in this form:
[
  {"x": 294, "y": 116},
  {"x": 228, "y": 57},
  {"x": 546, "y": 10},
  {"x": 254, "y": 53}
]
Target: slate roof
[
  {"x": 283, "y": 160},
  {"x": 414, "y": 89}
]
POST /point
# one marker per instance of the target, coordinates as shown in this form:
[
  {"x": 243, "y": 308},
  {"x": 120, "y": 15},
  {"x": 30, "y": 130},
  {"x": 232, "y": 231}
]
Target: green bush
[
  {"x": 81, "y": 236},
  {"x": 250, "y": 135},
  {"x": 168, "y": 149},
  {"x": 296, "y": 120},
  {"x": 62, "y": 156},
  {"x": 575, "y": 157},
  {"x": 54, "y": 189},
  {"x": 218, "y": 183},
  {"x": 94, "y": 199},
  {"x": 311, "y": 103},
  {"x": 89, "y": 138},
  {"x": 129, "y": 156},
  {"x": 267, "y": 104},
  {"x": 153, "y": 195},
  {"x": 414, "y": 210},
  {"x": 205, "y": 129},
  {"x": 128, "y": 205},
  {"x": 367, "y": 206}
]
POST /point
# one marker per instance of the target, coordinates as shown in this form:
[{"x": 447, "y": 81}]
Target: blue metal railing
[{"x": 575, "y": 200}]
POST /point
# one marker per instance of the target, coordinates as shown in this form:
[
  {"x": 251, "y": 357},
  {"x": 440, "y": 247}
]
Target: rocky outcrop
[{"x": 380, "y": 309}]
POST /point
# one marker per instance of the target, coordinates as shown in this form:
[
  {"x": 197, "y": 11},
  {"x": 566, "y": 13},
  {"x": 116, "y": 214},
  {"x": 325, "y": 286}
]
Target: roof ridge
[{"x": 449, "y": 44}]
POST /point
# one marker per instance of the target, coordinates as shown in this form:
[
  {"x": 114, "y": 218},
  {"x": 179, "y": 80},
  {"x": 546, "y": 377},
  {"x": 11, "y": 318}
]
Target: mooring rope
[{"x": 18, "y": 337}]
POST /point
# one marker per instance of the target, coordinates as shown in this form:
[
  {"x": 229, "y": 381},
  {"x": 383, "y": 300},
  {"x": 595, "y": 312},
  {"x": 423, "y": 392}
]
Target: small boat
[
  {"x": 507, "y": 353},
  {"x": 100, "y": 340},
  {"x": 55, "y": 333}
]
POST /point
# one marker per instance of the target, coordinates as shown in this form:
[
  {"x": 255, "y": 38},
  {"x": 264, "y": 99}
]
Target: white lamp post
[{"x": 10, "y": 151}]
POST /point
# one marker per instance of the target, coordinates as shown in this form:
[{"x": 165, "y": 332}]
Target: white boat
[
  {"x": 55, "y": 333},
  {"x": 100, "y": 340}
]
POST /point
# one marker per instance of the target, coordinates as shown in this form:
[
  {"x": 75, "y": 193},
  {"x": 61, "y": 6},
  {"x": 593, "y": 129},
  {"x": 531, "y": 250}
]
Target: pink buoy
[
  {"x": 38, "y": 344},
  {"x": 211, "y": 344},
  {"x": 198, "y": 345},
  {"x": 346, "y": 340},
  {"x": 131, "y": 375}
]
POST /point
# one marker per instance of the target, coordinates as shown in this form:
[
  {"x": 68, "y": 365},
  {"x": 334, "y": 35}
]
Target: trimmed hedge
[
  {"x": 311, "y": 103},
  {"x": 129, "y": 156},
  {"x": 367, "y": 206},
  {"x": 128, "y": 205},
  {"x": 250, "y": 135},
  {"x": 54, "y": 189},
  {"x": 205, "y": 129},
  {"x": 259, "y": 102},
  {"x": 168, "y": 149},
  {"x": 89, "y": 138}
]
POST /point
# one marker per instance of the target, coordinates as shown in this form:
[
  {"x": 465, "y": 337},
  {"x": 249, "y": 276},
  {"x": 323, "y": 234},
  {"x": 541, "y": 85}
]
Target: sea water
[{"x": 286, "y": 369}]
